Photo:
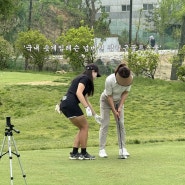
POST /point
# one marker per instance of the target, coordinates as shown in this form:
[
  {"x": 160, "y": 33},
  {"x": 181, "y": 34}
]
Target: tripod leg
[
  {"x": 18, "y": 156},
  {"x": 2, "y": 147},
  {"x": 10, "y": 157}
]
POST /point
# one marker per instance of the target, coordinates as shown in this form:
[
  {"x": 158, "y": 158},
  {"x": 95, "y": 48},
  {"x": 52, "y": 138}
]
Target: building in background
[{"x": 119, "y": 11}]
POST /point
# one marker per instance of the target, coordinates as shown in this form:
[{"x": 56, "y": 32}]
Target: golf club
[{"x": 119, "y": 131}]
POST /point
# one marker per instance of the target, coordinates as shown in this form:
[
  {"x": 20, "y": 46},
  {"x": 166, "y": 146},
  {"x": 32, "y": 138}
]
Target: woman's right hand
[
  {"x": 88, "y": 111},
  {"x": 116, "y": 114}
]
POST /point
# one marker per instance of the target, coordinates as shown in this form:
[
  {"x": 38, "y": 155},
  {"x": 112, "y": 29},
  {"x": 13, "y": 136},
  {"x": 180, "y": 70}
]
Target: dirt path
[{"x": 42, "y": 83}]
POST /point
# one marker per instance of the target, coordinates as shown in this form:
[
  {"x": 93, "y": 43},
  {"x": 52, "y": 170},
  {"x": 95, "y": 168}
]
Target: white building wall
[
  {"x": 120, "y": 19},
  {"x": 111, "y": 44}
]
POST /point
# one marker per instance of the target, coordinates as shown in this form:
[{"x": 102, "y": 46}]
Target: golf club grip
[{"x": 116, "y": 106}]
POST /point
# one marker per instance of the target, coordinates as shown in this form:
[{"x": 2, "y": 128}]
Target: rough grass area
[{"x": 154, "y": 111}]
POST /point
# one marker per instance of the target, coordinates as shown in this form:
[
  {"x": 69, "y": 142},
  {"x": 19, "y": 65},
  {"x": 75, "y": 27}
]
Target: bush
[
  {"x": 181, "y": 73},
  {"x": 6, "y": 52},
  {"x": 143, "y": 62}
]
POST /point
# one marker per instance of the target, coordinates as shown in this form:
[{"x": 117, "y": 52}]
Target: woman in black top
[{"x": 81, "y": 87}]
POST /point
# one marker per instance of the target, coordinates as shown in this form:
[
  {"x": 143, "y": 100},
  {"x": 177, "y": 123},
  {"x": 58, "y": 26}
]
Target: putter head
[{"x": 122, "y": 157}]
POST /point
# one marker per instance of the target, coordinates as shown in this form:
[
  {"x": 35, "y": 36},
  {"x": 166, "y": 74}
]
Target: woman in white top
[{"x": 117, "y": 87}]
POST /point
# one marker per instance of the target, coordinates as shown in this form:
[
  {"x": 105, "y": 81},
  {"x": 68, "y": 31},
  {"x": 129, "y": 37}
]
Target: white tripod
[{"x": 11, "y": 141}]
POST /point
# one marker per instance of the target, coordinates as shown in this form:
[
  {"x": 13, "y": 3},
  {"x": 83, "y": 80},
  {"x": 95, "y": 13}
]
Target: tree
[
  {"x": 123, "y": 38},
  {"x": 178, "y": 63},
  {"x": 6, "y": 52},
  {"x": 78, "y": 46},
  {"x": 34, "y": 46},
  {"x": 12, "y": 15},
  {"x": 72, "y": 3},
  {"x": 138, "y": 27},
  {"x": 7, "y": 7},
  {"x": 50, "y": 17},
  {"x": 101, "y": 25},
  {"x": 172, "y": 12},
  {"x": 91, "y": 12}
]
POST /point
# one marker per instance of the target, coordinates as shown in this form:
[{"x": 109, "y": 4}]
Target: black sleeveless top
[{"x": 84, "y": 79}]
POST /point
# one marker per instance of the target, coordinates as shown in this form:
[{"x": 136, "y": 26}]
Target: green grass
[
  {"x": 154, "y": 121},
  {"x": 149, "y": 164},
  {"x": 154, "y": 111}
]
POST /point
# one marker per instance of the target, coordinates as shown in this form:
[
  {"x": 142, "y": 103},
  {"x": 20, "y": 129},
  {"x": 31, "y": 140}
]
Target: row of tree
[
  {"x": 171, "y": 13},
  {"x": 50, "y": 17},
  {"x": 76, "y": 45},
  {"x": 24, "y": 22},
  {"x": 55, "y": 18}
]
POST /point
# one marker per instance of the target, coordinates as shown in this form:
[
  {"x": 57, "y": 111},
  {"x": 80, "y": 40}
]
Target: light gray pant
[{"x": 105, "y": 110}]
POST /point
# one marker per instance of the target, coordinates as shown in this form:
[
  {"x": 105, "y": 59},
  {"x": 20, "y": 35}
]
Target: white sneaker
[
  {"x": 124, "y": 152},
  {"x": 102, "y": 153}
]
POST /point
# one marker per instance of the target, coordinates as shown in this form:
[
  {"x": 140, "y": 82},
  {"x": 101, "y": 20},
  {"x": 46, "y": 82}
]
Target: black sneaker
[
  {"x": 74, "y": 156},
  {"x": 86, "y": 157}
]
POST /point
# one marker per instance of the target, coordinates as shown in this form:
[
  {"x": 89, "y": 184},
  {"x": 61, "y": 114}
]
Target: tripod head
[{"x": 9, "y": 127}]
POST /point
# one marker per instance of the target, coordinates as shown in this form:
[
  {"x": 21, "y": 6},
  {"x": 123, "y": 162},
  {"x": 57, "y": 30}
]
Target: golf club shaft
[{"x": 119, "y": 129}]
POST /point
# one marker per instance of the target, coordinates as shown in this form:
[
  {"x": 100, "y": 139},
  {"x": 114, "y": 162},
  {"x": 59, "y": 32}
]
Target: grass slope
[
  {"x": 154, "y": 111},
  {"x": 154, "y": 120}
]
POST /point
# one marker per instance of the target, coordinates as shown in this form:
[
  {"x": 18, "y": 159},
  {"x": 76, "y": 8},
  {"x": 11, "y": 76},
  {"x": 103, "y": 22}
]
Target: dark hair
[
  {"x": 89, "y": 74},
  {"x": 123, "y": 70}
]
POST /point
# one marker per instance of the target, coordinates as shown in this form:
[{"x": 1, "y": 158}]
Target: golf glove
[
  {"x": 88, "y": 111},
  {"x": 57, "y": 108},
  {"x": 97, "y": 118}
]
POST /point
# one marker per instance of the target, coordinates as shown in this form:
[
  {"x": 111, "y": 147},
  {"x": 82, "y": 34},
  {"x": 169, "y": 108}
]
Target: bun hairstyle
[
  {"x": 120, "y": 65},
  {"x": 123, "y": 75},
  {"x": 124, "y": 72}
]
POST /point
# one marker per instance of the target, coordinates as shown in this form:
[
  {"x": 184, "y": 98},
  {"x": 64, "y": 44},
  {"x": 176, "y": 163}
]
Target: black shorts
[{"x": 70, "y": 108}]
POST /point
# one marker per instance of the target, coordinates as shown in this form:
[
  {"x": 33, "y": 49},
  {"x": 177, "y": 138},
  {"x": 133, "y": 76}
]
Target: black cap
[{"x": 93, "y": 67}]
